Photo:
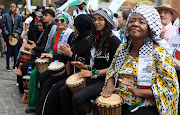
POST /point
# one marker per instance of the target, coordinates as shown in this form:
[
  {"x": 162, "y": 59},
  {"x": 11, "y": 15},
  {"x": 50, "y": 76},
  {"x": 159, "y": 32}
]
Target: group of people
[{"x": 137, "y": 64}]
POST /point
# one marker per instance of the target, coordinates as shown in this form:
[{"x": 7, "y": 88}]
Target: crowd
[{"x": 134, "y": 54}]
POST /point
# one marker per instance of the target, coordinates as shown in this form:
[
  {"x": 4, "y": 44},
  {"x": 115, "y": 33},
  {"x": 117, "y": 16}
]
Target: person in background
[
  {"x": 122, "y": 18},
  {"x": 81, "y": 10},
  {"x": 12, "y": 26},
  {"x": 1, "y": 36},
  {"x": 167, "y": 14},
  {"x": 52, "y": 6}
]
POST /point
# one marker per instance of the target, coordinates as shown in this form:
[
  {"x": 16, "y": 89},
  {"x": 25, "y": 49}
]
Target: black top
[
  {"x": 104, "y": 61},
  {"x": 81, "y": 52},
  {"x": 41, "y": 45}
]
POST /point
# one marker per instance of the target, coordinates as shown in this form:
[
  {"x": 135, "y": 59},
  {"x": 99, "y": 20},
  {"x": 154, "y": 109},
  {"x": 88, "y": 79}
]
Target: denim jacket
[{"x": 7, "y": 22}]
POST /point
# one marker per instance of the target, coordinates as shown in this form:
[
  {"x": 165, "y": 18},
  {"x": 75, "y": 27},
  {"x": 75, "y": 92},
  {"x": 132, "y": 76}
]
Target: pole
[{"x": 158, "y": 2}]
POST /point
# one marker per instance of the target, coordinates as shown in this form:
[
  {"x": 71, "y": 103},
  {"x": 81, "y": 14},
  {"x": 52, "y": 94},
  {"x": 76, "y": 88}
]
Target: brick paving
[{"x": 10, "y": 98}]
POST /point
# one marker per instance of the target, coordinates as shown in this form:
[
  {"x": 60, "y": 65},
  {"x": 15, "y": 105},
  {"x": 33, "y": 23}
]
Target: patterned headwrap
[
  {"x": 66, "y": 15},
  {"x": 108, "y": 16}
]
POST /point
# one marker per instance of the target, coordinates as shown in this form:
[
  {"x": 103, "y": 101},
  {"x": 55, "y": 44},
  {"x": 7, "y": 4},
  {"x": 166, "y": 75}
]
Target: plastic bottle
[{"x": 29, "y": 70}]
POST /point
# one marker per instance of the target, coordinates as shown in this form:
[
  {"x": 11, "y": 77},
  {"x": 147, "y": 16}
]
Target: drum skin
[
  {"x": 75, "y": 83},
  {"x": 42, "y": 64},
  {"x": 106, "y": 108},
  {"x": 56, "y": 69}
]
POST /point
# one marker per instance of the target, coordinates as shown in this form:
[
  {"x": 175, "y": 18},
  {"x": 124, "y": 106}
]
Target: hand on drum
[
  {"x": 45, "y": 55},
  {"x": 10, "y": 38},
  {"x": 65, "y": 50},
  {"x": 78, "y": 64},
  {"x": 33, "y": 43},
  {"x": 109, "y": 90},
  {"x": 28, "y": 46},
  {"x": 130, "y": 86},
  {"x": 85, "y": 73}
]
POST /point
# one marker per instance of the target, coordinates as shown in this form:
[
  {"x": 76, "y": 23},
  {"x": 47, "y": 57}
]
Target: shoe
[
  {"x": 8, "y": 69},
  {"x": 14, "y": 69},
  {"x": 28, "y": 110}
]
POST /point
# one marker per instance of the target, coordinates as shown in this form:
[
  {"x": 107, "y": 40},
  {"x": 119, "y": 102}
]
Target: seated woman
[
  {"x": 50, "y": 102},
  {"x": 63, "y": 35},
  {"x": 103, "y": 47},
  {"x": 147, "y": 79}
]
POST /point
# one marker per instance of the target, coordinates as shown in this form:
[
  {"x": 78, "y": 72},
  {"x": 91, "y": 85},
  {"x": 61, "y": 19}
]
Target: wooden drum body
[
  {"x": 75, "y": 83},
  {"x": 42, "y": 64},
  {"x": 26, "y": 82},
  {"x": 25, "y": 56},
  {"x": 110, "y": 105},
  {"x": 56, "y": 69}
]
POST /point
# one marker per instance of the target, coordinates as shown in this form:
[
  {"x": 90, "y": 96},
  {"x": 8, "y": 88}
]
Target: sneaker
[
  {"x": 17, "y": 84},
  {"x": 28, "y": 110},
  {"x": 8, "y": 69},
  {"x": 14, "y": 69}
]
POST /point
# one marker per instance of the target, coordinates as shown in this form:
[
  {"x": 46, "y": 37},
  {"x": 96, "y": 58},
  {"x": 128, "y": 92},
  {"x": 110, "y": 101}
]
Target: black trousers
[
  {"x": 24, "y": 69},
  {"x": 75, "y": 104},
  {"x": 150, "y": 110},
  {"x": 52, "y": 104}
]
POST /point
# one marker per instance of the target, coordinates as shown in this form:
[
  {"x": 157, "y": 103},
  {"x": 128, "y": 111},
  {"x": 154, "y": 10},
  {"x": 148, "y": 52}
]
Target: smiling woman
[{"x": 143, "y": 67}]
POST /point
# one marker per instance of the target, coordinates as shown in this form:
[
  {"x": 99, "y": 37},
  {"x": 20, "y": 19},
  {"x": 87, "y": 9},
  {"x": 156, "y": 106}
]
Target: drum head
[
  {"x": 42, "y": 60},
  {"x": 13, "y": 42},
  {"x": 26, "y": 52},
  {"x": 114, "y": 99},
  {"x": 55, "y": 66},
  {"x": 74, "y": 79},
  {"x": 26, "y": 77}
]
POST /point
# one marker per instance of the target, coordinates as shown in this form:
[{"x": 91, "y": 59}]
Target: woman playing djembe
[{"x": 142, "y": 68}]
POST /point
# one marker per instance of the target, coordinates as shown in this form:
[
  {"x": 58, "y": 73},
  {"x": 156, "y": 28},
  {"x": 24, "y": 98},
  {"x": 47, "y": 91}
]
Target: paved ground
[{"x": 10, "y": 98}]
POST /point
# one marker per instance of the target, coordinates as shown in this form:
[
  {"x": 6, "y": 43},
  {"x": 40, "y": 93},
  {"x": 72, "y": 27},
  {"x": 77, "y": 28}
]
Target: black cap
[{"x": 49, "y": 11}]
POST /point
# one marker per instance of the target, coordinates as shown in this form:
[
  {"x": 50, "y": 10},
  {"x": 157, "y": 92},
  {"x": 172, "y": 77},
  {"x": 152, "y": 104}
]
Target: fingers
[
  {"x": 124, "y": 81},
  {"x": 67, "y": 45}
]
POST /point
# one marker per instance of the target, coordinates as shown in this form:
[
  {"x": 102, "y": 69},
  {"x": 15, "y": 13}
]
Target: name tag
[{"x": 145, "y": 71}]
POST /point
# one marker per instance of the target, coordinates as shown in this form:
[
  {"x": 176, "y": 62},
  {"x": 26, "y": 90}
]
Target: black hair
[
  {"x": 49, "y": 11},
  {"x": 115, "y": 15},
  {"x": 125, "y": 14},
  {"x": 103, "y": 43},
  {"x": 39, "y": 7}
]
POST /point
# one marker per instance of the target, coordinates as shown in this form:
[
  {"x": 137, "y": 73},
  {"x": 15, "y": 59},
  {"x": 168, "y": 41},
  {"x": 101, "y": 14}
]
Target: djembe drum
[
  {"x": 75, "y": 83},
  {"x": 26, "y": 87},
  {"x": 56, "y": 69},
  {"x": 42, "y": 64},
  {"x": 109, "y": 105},
  {"x": 24, "y": 56}
]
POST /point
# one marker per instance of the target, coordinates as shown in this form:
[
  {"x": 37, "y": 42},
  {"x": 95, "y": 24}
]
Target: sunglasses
[{"x": 61, "y": 20}]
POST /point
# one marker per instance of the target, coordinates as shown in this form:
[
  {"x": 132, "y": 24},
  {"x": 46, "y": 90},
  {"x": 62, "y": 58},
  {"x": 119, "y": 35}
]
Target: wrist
[{"x": 95, "y": 72}]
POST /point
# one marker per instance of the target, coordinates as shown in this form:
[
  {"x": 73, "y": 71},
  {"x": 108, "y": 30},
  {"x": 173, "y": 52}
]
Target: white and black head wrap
[
  {"x": 108, "y": 16},
  {"x": 70, "y": 24},
  {"x": 153, "y": 20}
]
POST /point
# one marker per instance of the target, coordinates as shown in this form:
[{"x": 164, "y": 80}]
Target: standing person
[
  {"x": 81, "y": 10},
  {"x": 103, "y": 47},
  {"x": 142, "y": 69},
  {"x": 1, "y": 37},
  {"x": 12, "y": 26},
  {"x": 167, "y": 14},
  {"x": 121, "y": 23}
]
